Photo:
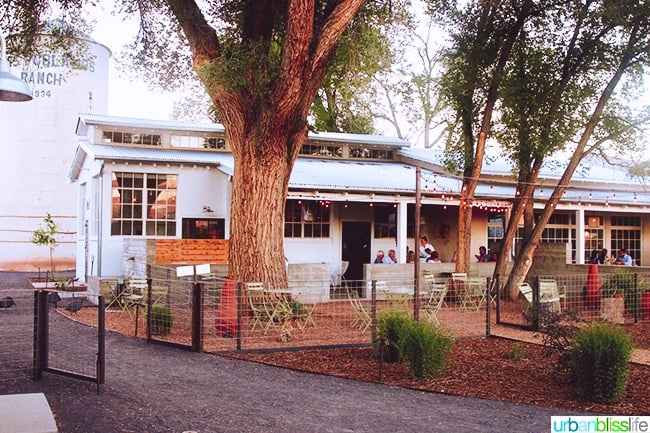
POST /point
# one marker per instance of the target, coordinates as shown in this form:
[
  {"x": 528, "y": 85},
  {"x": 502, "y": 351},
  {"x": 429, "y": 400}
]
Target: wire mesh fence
[
  {"x": 615, "y": 294},
  {"x": 73, "y": 347},
  {"x": 37, "y": 337},
  {"x": 16, "y": 335},
  {"x": 215, "y": 314}
]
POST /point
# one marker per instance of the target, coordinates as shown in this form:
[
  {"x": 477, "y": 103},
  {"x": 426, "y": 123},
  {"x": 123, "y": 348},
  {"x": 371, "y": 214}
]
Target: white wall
[{"x": 38, "y": 144}]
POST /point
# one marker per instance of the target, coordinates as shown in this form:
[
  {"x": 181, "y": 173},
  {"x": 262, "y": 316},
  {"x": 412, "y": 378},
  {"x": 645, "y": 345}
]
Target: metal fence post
[
  {"x": 40, "y": 333},
  {"x": 101, "y": 342},
  {"x": 240, "y": 312},
  {"x": 488, "y": 308},
  {"x": 373, "y": 309},
  {"x": 197, "y": 314}
]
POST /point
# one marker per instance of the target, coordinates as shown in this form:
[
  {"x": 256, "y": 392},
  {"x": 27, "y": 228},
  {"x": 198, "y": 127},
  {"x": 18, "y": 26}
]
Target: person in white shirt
[{"x": 424, "y": 246}]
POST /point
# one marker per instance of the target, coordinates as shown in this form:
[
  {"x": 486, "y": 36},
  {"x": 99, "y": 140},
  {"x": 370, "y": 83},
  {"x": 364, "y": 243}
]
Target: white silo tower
[{"x": 37, "y": 146}]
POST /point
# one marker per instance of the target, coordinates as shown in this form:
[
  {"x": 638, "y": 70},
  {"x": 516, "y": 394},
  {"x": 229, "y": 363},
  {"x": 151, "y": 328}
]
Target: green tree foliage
[
  {"x": 483, "y": 35},
  {"x": 261, "y": 62},
  {"x": 46, "y": 236},
  {"x": 559, "y": 95}
]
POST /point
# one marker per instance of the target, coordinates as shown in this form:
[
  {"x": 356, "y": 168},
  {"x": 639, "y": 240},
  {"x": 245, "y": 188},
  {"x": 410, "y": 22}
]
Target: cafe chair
[{"x": 362, "y": 319}]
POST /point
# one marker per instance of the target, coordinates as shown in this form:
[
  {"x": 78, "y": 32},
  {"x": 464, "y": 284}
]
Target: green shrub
[
  {"x": 390, "y": 332},
  {"x": 599, "y": 360},
  {"x": 517, "y": 352},
  {"x": 558, "y": 333},
  {"x": 624, "y": 282},
  {"x": 161, "y": 320},
  {"x": 425, "y": 348}
]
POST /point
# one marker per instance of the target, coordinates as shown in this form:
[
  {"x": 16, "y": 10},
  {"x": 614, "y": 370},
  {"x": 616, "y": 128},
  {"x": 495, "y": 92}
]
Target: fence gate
[{"x": 64, "y": 346}]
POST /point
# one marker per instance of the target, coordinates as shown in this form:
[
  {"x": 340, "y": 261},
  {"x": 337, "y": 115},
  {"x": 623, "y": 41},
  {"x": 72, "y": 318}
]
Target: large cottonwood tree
[{"x": 261, "y": 63}]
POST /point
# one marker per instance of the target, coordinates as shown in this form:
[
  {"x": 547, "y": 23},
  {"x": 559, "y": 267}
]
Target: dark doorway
[{"x": 355, "y": 248}]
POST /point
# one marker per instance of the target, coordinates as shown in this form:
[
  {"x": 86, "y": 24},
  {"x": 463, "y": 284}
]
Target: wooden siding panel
[{"x": 191, "y": 251}]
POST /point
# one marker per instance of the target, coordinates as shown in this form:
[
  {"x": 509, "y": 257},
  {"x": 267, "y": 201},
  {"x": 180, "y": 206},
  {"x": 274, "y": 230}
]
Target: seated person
[
  {"x": 603, "y": 258},
  {"x": 623, "y": 258},
  {"x": 483, "y": 255},
  {"x": 380, "y": 257},
  {"x": 424, "y": 246},
  {"x": 390, "y": 258},
  {"x": 410, "y": 256},
  {"x": 434, "y": 257}
]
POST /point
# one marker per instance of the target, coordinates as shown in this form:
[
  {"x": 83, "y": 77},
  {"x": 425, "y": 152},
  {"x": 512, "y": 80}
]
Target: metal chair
[
  {"x": 362, "y": 319},
  {"x": 436, "y": 298}
]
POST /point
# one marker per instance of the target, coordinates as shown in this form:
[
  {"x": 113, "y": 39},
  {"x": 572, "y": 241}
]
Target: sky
[
  {"x": 126, "y": 97},
  {"x": 130, "y": 98}
]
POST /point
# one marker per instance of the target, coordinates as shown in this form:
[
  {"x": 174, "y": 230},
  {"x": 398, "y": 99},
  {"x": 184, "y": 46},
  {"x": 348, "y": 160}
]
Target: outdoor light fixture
[{"x": 11, "y": 88}]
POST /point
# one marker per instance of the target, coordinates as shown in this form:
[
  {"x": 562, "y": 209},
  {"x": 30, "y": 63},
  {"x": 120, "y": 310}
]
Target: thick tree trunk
[
  {"x": 259, "y": 189},
  {"x": 464, "y": 237}
]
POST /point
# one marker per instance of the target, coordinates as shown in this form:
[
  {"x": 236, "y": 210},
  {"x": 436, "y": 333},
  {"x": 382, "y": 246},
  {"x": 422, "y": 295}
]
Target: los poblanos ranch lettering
[{"x": 49, "y": 72}]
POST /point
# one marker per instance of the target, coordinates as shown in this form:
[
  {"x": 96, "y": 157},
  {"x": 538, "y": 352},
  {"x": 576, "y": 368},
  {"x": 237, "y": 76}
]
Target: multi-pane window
[
  {"x": 495, "y": 228},
  {"x": 626, "y": 233},
  {"x": 370, "y": 153},
  {"x": 122, "y": 137},
  {"x": 196, "y": 142},
  {"x": 323, "y": 151},
  {"x": 385, "y": 221},
  {"x": 560, "y": 229},
  {"x": 307, "y": 219},
  {"x": 594, "y": 235},
  {"x": 143, "y": 203}
]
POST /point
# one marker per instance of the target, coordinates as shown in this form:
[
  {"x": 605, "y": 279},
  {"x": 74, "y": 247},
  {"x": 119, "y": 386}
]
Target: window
[
  {"x": 307, "y": 219},
  {"x": 121, "y": 137},
  {"x": 626, "y": 233},
  {"x": 370, "y": 153},
  {"x": 323, "y": 151},
  {"x": 196, "y": 142},
  {"x": 385, "y": 217},
  {"x": 560, "y": 229},
  {"x": 594, "y": 235},
  {"x": 204, "y": 228},
  {"x": 495, "y": 228},
  {"x": 132, "y": 215}
]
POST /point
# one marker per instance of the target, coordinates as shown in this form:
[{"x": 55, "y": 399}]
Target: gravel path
[{"x": 151, "y": 388}]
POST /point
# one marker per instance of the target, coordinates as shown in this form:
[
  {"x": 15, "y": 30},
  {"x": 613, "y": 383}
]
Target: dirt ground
[{"x": 479, "y": 367}]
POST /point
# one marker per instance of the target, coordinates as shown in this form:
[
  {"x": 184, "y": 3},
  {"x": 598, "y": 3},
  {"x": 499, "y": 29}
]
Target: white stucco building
[{"x": 349, "y": 195}]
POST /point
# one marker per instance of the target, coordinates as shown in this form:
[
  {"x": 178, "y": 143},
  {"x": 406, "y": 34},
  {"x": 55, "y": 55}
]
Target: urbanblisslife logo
[{"x": 600, "y": 424}]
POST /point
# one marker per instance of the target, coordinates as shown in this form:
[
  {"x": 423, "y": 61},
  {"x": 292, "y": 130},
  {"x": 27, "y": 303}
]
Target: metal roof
[
  {"x": 86, "y": 120},
  {"x": 308, "y": 173},
  {"x": 381, "y": 177}
]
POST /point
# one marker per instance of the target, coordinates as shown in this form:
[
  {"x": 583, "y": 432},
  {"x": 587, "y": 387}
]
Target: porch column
[
  {"x": 401, "y": 232},
  {"x": 580, "y": 236}
]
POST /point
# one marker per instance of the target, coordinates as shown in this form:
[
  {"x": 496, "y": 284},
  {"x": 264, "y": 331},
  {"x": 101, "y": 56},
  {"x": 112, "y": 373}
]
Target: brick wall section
[{"x": 190, "y": 251}]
